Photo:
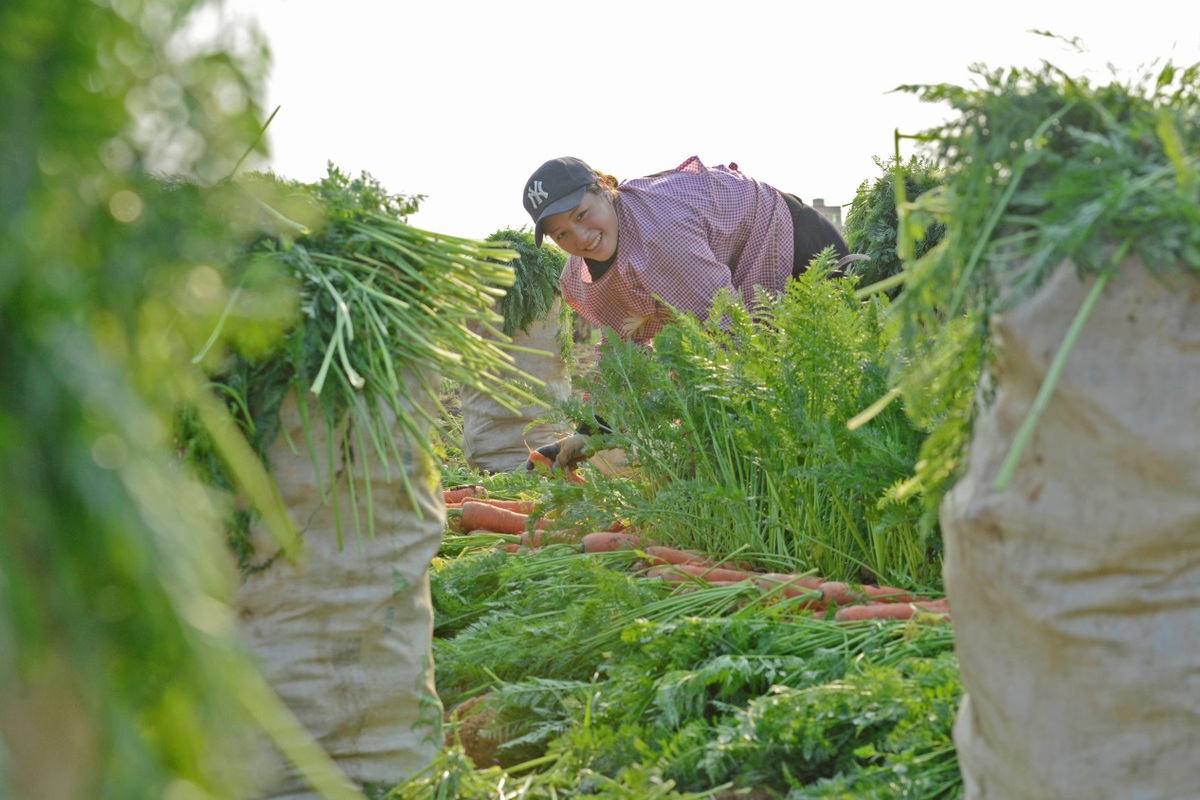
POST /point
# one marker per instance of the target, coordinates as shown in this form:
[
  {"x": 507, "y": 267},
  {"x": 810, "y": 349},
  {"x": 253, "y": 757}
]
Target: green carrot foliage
[
  {"x": 535, "y": 284},
  {"x": 120, "y": 671},
  {"x": 604, "y": 684},
  {"x": 1043, "y": 171},
  {"x": 379, "y": 316},
  {"x": 736, "y": 426},
  {"x": 873, "y": 224}
]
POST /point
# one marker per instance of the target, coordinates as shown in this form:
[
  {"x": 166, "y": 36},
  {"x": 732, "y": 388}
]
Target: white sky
[{"x": 461, "y": 101}]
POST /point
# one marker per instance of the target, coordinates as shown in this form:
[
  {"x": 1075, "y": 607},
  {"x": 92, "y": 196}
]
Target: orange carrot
[
  {"x": 540, "y": 462},
  {"x": 511, "y": 547},
  {"x": 888, "y": 611},
  {"x": 789, "y": 585},
  {"x": 676, "y": 573},
  {"x": 456, "y": 494},
  {"x": 874, "y": 611},
  {"x": 481, "y": 516},
  {"x": 659, "y": 555},
  {"x": 941, "y": 606},
  {"x": 520, "y": 506},
  {"x": 841, "y": 593},
  {"x": 889, "y": 594},
  {"x": 609, "y": 541}
]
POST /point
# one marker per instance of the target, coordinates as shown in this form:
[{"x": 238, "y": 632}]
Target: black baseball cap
[{"x": 556, "y": 186}]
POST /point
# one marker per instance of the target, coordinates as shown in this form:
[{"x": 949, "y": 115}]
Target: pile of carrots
[{"x": 470, "y": 510}]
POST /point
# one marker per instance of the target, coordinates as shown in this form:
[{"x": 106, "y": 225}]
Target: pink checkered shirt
[{"x": 682, "y": 237}]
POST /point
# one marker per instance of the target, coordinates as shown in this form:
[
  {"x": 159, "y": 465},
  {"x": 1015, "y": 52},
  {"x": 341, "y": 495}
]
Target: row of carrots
[{"x": 469, "y": 510}]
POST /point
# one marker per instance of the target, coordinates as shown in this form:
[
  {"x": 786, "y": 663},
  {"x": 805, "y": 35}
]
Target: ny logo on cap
[{"x": 537, "y": 195}]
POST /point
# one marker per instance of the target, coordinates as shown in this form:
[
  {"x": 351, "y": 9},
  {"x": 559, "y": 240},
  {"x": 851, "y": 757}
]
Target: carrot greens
[
  {"x": 379, "y": 314},
  {"x": 1042, "y": 171},
  {"x": 736, "y": 426},
  {"x": 600, "y": 683}
]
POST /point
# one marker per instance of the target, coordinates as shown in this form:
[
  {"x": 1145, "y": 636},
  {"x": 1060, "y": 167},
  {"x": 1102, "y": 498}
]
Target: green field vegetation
[{"x": 156, "y": 304}]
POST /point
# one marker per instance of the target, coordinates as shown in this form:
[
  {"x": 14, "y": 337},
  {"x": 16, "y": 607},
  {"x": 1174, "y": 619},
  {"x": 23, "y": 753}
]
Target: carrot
[
  {"x": 888, "y": 611},
  {"x": 789, "y": 585},
  {"x": 889, "y": 594},
  {"x": 540, "y": 462},
  {"x": 934, "y": 606},
  {"x": 511, "y": 547},
  {"x": 676, "y": 573},
  {"x": 520, "y": 506},
  {"x": 660, "y": 555},
  {"x": 841, "y": 593},
  {"x": 874, "y": 611},
  {"x": 481, "y": 516},
  {"x": 456, "y": 494},
  {"x": 610, "y": 541}
]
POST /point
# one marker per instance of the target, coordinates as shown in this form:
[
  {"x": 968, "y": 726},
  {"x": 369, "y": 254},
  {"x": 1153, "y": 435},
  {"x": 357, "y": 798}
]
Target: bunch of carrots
[{"x": 470, "y": 510}]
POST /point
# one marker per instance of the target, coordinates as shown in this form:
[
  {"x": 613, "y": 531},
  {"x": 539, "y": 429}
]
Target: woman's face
[{"x": 589, "y": 230}]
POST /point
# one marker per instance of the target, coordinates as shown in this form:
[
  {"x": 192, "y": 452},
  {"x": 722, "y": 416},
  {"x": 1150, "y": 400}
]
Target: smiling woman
[{"x": 648, "y": 247}]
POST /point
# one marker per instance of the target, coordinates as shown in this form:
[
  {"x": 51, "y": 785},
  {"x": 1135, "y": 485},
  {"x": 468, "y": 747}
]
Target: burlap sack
[
  {"x": 494, "y": 438},
  {"x": 1076, "y": 591},
  {"x": 51, "y": 737},
  {"x": 345, "y": 637}
]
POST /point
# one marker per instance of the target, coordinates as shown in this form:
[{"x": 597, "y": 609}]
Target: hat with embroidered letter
[{"x": 556, "y": 186}]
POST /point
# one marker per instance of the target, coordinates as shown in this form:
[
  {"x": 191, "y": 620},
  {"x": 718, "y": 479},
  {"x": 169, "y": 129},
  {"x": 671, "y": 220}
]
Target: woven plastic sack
[
  {"x": 345, "y": 636},
  {"x": 1076, "y": 590},
  {"x": 494, "y": 438}
]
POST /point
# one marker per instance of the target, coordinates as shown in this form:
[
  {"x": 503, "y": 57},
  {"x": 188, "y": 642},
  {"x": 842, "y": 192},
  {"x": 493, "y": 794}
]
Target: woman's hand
[
  {"x": 571, "y": 451},
  {"x": 565, "y": 454}
]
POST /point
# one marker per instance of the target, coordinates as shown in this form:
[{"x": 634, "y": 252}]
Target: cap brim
[{"x": 565, "y": 203}]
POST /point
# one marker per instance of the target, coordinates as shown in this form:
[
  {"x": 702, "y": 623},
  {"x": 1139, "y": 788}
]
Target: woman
[
  {"x": 671, "y": 240},
  {"x": 642, "y": 248}
]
